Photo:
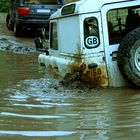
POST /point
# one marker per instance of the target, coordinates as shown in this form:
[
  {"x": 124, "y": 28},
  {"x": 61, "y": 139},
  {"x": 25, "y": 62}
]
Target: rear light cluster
[{"x": 23, "y": 10}]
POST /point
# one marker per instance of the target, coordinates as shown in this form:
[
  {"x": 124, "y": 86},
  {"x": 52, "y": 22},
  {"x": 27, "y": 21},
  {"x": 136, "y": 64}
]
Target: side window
[
  {"x": 53, "y": 36},
  {"x": 91, "y": 33},
  {"x": 121, "y": 21}
]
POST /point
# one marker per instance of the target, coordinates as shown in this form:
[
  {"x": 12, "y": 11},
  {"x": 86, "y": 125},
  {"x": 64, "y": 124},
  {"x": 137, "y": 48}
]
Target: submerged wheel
[
  {"x": 9, "y": 23},
  {"x": 129, "y": 57}
]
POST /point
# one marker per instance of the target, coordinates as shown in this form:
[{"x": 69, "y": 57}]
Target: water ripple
[
  {"x": 37, "y": 133},
  {"x": 30, "y": 116}
]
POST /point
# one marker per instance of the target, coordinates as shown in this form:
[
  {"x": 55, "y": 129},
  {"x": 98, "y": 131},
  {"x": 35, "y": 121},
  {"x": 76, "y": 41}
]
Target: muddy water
[{"x": 33, "y": 106}]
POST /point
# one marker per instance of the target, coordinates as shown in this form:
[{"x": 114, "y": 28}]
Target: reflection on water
[
  {"x": 15, "y": 67},
  {"x": 33, "y": 106}
]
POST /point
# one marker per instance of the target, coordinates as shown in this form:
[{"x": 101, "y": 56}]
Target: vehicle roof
[{"x": 85, "y": 6}]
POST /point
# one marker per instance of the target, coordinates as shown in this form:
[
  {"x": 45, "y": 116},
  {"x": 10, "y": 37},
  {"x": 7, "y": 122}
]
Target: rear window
[
  {"x": 91, "y": 32},
  {"x": 121, "y": 21},
  {"x": 53, "y": 36},
  {"x": 43, "y": 1}
]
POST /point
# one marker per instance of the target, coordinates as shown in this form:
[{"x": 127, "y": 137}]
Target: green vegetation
[{"x": 4, "y": 5}]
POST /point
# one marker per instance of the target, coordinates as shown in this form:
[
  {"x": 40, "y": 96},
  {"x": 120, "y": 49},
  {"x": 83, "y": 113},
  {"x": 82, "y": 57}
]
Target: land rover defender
[{"x": 100, "y": 39}]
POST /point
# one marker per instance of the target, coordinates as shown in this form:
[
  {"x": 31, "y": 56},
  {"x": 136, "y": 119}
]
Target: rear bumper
[
  {"x": 33, "y": 23},
  {"x": 62, "y": 66}
]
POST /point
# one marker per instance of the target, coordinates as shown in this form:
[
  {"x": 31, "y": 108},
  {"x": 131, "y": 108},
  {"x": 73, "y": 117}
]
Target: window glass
[
  {"x": 68, "y": 9},
  {"x": 121, "y": 21},
  {"x": 43, "y": 1},
  {"x": 53, "y": 36},
  {"x": 91, "y": 32}
]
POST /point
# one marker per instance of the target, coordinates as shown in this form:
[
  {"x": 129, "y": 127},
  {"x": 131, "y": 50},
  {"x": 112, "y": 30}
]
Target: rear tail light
[{"x": 23, "y": 10}]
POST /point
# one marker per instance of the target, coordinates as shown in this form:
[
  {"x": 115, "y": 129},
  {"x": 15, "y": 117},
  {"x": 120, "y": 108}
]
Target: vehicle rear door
[{"x": 114, "y": 29}]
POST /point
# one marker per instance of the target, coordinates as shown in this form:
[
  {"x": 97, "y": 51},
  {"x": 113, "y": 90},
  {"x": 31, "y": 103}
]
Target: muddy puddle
[{"x": 36, "y": 106}]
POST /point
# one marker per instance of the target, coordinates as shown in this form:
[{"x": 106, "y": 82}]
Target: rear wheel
[
  {"x": 129, "y": 57},
  {"x": 9, "y": 22}
]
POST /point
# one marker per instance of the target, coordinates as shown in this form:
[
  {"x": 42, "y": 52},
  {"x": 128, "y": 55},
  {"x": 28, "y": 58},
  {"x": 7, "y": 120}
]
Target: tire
[
  {"x": 9, "y": 23},
  {"x": 17, "y": 30},
  {"x": 128, "y": 57}
]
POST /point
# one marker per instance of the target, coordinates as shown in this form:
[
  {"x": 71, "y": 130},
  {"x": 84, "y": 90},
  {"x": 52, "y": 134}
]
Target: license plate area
[
  {"x": 96, "y": 74},
  {"x": 43, "y": 10}
]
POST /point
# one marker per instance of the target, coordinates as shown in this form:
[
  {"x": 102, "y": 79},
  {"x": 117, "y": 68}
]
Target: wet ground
[{"x": 35, "y": 106}]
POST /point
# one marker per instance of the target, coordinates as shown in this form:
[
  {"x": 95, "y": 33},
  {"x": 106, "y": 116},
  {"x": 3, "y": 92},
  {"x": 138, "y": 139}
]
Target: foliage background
[{"x": 4, "y": 4}]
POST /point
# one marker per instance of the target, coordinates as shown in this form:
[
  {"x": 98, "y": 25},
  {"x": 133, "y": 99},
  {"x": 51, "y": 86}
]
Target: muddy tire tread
[{"x": 123, "y": 57}]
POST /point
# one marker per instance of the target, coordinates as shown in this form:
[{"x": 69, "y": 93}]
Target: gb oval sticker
[{"x": 91, "y": 41}]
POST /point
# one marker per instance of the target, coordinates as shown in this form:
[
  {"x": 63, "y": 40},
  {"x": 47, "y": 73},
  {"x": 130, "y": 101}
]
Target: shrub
[{"x": 4, "y": 5}]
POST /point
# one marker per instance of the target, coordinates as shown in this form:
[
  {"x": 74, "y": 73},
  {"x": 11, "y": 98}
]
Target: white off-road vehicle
[{"x": 99, "y": 39}]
